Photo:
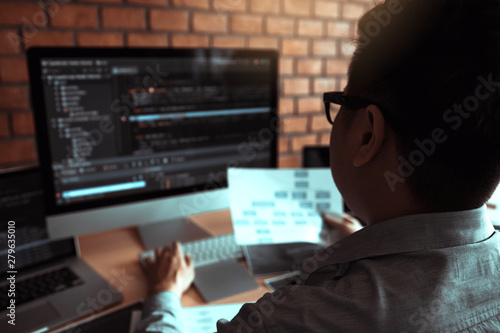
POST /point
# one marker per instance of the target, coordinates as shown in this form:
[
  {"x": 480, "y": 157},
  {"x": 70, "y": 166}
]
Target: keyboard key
[
  {"x": 208, "y": 250},
  {"x": 41, "y": 285}
]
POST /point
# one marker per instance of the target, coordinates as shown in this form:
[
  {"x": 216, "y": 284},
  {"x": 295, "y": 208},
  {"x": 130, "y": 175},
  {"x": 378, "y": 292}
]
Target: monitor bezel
[{"x": 34, "y": 57}]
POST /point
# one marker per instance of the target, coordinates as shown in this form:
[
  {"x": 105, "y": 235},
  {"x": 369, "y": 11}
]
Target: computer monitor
[{"x": 141, "y": 136}]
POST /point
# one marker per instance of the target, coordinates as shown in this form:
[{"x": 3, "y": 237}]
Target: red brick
[
  {"x": 98, "y": 39},
  {"x": 294, "y": 125},
  {"x": 324, "y": 48},
  {"x": 22, "y": 14},
  {"x": 339, "y": 29},
  {"x": 286, "y": 66},
  {"x": 13, "y": 70},
  {"x": 297, "y": 7},
  {"x": 22, "y": 123},
  {"x": 48, "y": 38},
  {"x": 309, "y": 66},
  {"x": 103, "y": 1},
  {"x": 286, "y": 106},
  {"x": 149, "y": 2},
  {"x": 334, "y": 109},
  {"x": 327, "y": 9},
  {"x": 73, "y": 16},
  {"x": 295, "y": 47},
  {"x": 291, "y": 161},
  {"x": 263, "y": 42},
  {"x": 4, "y": 125},
  {"x": 10, "y": 42},
  {"x": 320, "y": 124},
  {"x": 310, "y": 28},
  {"x": 310, "y": 105},
  {"x": 260, "y": 6},
  {"x": 123, "y": 18},
  {"x": 17, "y": 151},
  {"x": 283, "y": 145},
  {"x": 337, "y": 67},
  {"x": 190, "y": 41},
  {"x": 146, "y": 40},
  {"x": 343, "y": 83},
  {"x": 279, "y": 26},
  {"x": 172, "y": 20},
  {"x": 296, "y": 86},
  {"x": 324, "y": 139},
  {"x": 203, "y": 4},
  {"x": 352, "y": 11},
  {"x": 13, "y": 97},
  {"x": 299, "y": 142},
  {"x": 230, "y": 5},
  {"x": 209, "y": 22},
  {"x": 228, "y": 41},
  {"x": 246, "y": 24},
  {"x": 322, "y": 85},
  {"x": 347, "y": 48}
]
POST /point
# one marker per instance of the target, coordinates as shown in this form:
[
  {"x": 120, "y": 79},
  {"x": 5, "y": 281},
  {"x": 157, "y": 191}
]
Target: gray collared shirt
[{"x": 419, "y": 273}]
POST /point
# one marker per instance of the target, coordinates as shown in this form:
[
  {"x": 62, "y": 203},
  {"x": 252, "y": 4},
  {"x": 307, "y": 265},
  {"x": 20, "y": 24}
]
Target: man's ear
[{"x": 371, "y": 137}]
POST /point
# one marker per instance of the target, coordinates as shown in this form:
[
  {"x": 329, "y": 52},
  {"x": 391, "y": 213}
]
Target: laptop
[
  {"x": 43, "y": 283},
  {"x": 124, "y": 320}
]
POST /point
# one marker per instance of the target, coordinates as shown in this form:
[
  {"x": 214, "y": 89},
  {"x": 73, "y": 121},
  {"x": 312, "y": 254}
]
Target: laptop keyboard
[
  {"x": 40, "y": 286},
  {"x": 208, "y": 250}
]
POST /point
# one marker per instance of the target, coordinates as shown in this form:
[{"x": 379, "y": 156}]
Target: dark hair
[{"x": 423, "y": 62}]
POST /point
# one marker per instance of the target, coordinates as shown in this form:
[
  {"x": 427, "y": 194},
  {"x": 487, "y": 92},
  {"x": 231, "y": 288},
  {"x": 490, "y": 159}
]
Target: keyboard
[
  {"x": 208, "y": 250},
  {"x": 41, "y": 285}
]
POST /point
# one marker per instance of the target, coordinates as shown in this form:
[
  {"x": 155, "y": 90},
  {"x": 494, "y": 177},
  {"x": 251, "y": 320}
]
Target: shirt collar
[{"x": 408, "y": 234}]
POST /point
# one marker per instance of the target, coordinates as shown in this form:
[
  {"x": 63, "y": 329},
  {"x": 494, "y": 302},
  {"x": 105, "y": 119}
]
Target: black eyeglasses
[{"x": 338, "y": 97}]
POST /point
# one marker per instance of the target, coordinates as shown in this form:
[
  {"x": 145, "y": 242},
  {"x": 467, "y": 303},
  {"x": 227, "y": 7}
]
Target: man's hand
[
  {"x": 171, "y": 270},
  {"x": 345, "y": 224}
]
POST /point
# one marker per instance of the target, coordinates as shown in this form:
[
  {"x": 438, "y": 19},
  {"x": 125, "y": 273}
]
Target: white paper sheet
[
  {"x": 270, "y": 206},
  {"x": 201, "y": 319}
]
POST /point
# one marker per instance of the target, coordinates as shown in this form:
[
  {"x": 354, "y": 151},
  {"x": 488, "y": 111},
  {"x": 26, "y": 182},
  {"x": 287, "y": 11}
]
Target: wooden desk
[{"x": 114, "y": 255}]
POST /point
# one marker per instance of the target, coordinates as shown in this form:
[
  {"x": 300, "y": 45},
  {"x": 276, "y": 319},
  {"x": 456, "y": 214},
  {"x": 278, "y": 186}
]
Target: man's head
[{"x": 434, "y": 65}]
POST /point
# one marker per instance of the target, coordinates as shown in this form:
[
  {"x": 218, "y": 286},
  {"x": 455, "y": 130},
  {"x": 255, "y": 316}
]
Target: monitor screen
[
  {"x": 124, "y": 125},
  {"x": 23, "y": 233}
]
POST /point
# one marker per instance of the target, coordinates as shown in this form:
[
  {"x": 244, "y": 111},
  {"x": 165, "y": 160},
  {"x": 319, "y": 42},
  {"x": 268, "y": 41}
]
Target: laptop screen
[{"x": 23, "y": 223}]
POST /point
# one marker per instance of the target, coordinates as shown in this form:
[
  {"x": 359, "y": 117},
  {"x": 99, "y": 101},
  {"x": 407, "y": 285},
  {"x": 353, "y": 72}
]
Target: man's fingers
[
  {"x": 333, "y": 219},
  {"x": 188, "y": 260},
  {"x": 148, "y": 262},
  {"x": 176, "y": 248},
  {"x": 177, "y": 251},
  {"x": 351, "y": 218},
  {"x": 166, "y": 252},
  {"x": 336, "y": 220}
]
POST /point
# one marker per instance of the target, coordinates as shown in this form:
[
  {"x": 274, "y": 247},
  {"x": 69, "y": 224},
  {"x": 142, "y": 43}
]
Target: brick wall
[{"x": 313, "y": 37}]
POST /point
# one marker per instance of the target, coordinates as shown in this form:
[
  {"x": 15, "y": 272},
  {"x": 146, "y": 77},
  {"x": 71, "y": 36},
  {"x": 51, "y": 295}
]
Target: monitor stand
[{"x": 165, "y": 233}]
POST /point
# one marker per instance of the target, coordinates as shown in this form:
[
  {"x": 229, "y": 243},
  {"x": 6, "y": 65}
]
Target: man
[{"x": 415, "y": 152}]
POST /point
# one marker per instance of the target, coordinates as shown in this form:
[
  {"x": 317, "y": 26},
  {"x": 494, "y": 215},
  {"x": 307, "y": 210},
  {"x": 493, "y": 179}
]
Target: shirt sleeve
[
  {"x": 249, "y": 319},
  {"x": 162, "y": 313}
]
